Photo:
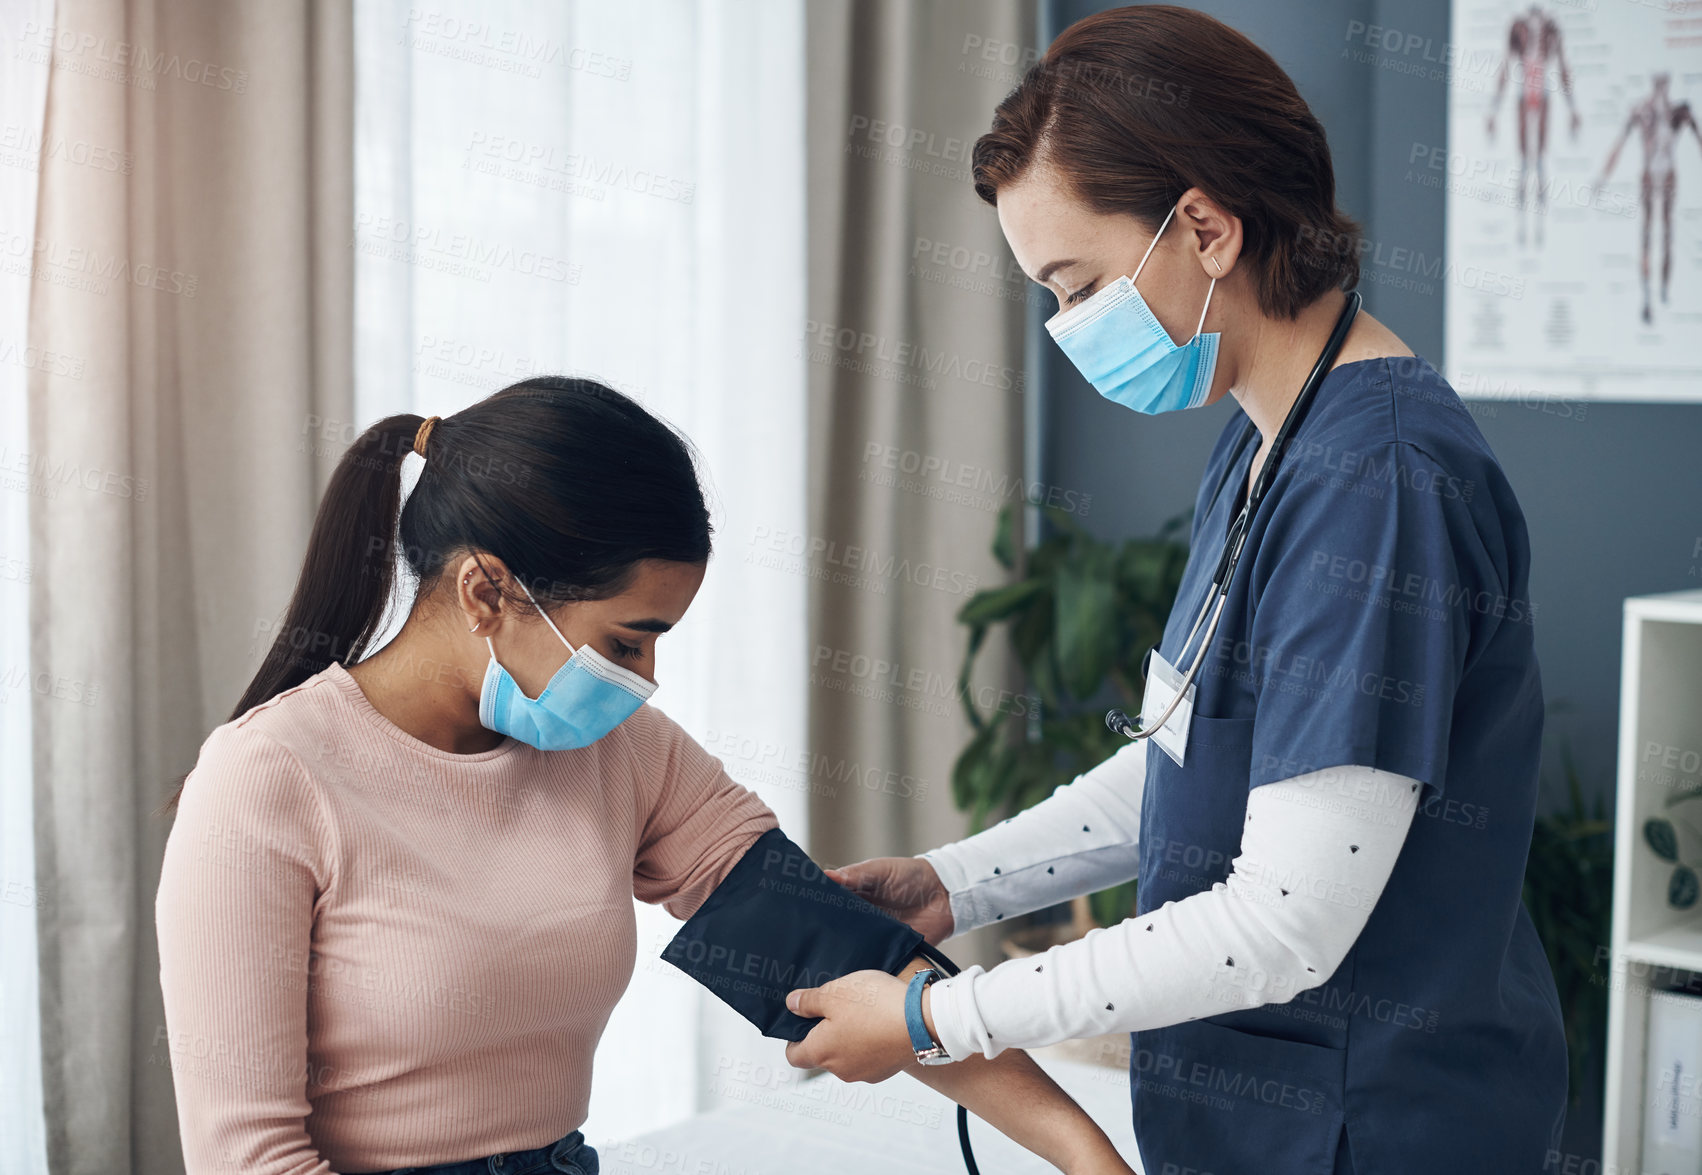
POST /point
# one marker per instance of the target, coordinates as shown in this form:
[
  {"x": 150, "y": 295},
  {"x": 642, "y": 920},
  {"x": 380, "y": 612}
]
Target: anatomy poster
[{"x": 1573, "y": 172}]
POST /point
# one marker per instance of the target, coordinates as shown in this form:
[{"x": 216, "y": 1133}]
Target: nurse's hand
[
  {"x": 862, "y": 1036},
  {"x": 905, "y": 887}
]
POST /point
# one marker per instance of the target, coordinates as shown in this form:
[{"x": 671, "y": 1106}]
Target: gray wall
[{"x": 1612, "y": 493}]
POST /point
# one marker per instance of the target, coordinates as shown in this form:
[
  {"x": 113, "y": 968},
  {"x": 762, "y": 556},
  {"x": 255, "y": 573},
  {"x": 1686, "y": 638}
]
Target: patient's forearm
[{"x": 1017, "y": 1097}]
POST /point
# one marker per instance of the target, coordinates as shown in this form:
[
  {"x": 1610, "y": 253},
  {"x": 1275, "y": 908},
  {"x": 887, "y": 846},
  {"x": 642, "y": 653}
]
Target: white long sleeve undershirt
[{"x": 1316, "y": 851}]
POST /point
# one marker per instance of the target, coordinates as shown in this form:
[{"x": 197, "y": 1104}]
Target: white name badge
[{"x": 1161, "y": 684}]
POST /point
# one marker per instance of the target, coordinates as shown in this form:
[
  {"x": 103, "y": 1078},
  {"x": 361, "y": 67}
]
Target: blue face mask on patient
[
  {"x": 585, "y": 699},
  {"x": 1118, "y": 344}
]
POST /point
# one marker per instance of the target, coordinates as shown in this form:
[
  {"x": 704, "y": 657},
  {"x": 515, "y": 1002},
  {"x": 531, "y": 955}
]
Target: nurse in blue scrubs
[{"x": 1330, "y": 793}]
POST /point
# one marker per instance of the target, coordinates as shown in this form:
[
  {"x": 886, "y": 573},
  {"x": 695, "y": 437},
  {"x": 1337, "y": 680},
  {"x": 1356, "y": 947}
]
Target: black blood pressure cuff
[{"x": 777, "y": 923}]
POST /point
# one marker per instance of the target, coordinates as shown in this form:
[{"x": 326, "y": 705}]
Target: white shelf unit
[{"x": 1653, "y": 945}]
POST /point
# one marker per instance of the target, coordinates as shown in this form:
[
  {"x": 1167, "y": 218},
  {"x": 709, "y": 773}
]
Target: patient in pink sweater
[
  {"x": 395, "y": 910},
  {"x": 417, "y": 948}
]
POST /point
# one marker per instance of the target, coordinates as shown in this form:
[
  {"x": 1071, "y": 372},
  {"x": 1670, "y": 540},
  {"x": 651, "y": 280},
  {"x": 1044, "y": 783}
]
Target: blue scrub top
[{"x": 1380, "y": 617}]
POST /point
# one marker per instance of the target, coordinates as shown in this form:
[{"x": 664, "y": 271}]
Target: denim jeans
[{"x": 569, "y": 1154}]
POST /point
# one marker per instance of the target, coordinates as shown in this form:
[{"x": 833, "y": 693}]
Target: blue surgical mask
[
  {"x": 1116, "y": 341},
  {"x": 585, "y": 699}
]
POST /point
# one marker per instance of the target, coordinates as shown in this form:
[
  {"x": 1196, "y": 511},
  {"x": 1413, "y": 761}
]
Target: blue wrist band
[{"x": 920, "y": 1040}]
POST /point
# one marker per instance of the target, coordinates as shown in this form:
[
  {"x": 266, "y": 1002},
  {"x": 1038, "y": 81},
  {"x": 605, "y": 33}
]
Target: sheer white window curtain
[
  {"x": 614, "y": 190},
  {"x": 23, "y": 96}
]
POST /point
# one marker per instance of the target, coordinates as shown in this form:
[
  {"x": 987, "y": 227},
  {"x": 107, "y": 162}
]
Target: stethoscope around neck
[{"x": 1117, "y": 720}]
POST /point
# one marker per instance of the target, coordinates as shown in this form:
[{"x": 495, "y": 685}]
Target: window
[{"x": 615, "y": 191}]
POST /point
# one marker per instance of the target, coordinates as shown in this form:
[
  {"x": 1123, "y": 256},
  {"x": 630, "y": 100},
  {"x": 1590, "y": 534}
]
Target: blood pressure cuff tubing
[{"x": 777, "y": 923}]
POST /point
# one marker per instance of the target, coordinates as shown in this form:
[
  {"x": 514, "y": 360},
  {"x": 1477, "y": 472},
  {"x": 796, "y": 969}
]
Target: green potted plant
[
  {"x": 1661, "y": 835},
  {"x": 1569, "y": 895},
  {"x": 1081, "y": 615}
]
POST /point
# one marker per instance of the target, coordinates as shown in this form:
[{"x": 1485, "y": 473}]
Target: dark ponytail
[{"x": 568, "y": 482}]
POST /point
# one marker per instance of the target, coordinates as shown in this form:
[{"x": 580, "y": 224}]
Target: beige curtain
[
  {"x": 192, "y": 265},
  {"x": 916, "y": 357}
]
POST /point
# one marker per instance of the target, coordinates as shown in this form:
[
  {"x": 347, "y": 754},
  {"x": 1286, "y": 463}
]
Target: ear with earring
[{"x": 464, "y": 582}]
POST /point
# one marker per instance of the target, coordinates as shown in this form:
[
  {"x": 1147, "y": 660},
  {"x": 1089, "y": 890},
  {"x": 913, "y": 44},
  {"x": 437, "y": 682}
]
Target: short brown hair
[{"x": 1137, "y": 105}]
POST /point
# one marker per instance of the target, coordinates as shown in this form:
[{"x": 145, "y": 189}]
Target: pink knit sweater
[{"x": 377, "y": 954}]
